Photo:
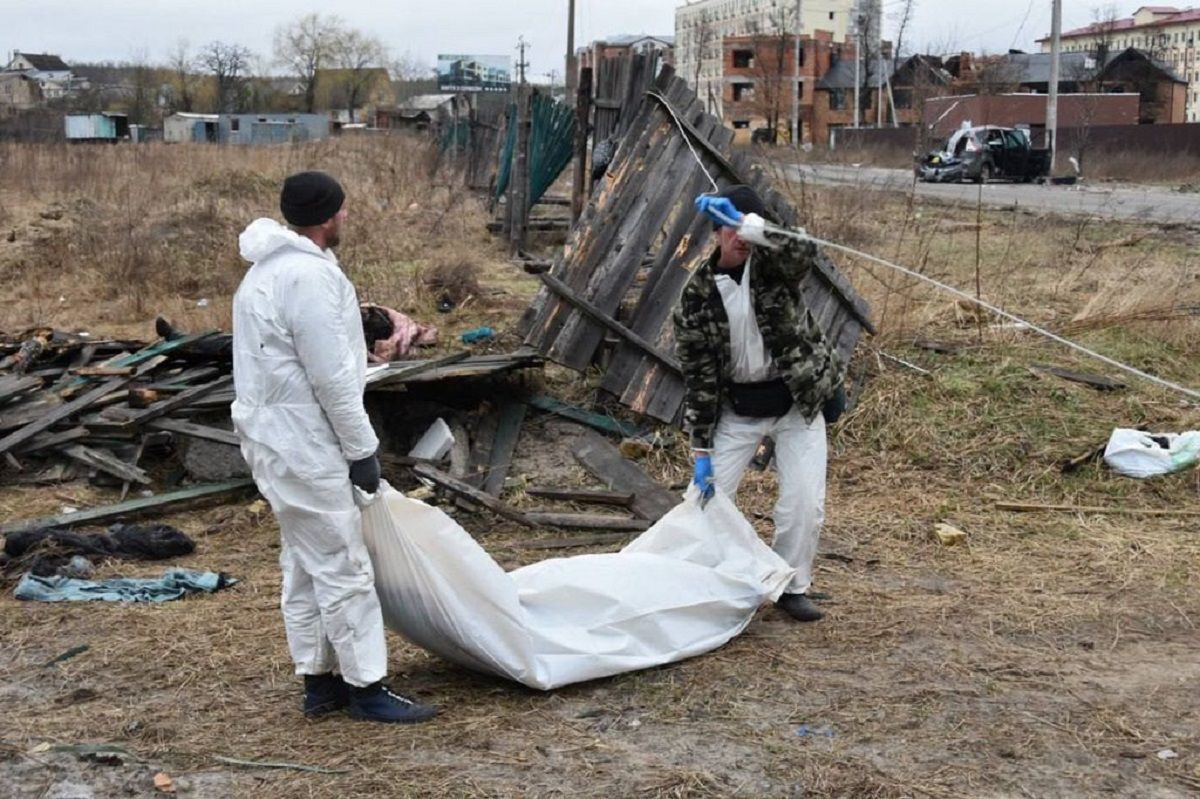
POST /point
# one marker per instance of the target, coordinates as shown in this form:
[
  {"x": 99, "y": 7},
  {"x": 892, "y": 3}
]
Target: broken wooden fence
[
  {"x": 618, "y": 85},
  {"x": 641, "y": 228}
]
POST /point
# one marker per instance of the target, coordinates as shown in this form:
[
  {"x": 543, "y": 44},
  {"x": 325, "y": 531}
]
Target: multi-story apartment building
[
  {"x": 1168, "y": 34},
  {"x": 701, "y": 29}
]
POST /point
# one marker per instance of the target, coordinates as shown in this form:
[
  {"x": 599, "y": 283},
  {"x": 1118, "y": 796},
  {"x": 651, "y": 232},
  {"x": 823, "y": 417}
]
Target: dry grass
[{"x": 1052, "y": 655}]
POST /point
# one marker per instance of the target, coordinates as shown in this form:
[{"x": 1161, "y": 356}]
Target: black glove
[
  {"x": 835, "y": 405},
  {"x": 365, "y": 474}
]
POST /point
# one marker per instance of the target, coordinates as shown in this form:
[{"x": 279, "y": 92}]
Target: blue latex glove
[
  {"x": 702, "y": 476},
  {"x": 720, "y": 209}
]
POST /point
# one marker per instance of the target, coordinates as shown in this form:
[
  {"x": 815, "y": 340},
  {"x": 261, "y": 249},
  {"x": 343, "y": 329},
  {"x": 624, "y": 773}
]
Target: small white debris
[{"x": 1167, "y": 754}]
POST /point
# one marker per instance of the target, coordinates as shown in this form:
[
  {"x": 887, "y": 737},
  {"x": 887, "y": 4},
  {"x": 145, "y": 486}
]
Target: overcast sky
[{"x": 118, "y": 30}]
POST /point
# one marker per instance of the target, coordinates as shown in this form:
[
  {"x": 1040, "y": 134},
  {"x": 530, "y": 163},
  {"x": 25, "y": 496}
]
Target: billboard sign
[{"x": 474, "y": 73}]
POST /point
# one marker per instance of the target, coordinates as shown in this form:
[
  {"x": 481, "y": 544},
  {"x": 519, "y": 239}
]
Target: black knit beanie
[
  {"x": 310, "y": 198},
  {"x": 746, "y": 200}
]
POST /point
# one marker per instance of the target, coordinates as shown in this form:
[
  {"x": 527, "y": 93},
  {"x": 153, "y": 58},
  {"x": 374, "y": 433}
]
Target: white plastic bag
[
  {"x": 686, "y": 586},
  {"x": 1134, "y": 453}
]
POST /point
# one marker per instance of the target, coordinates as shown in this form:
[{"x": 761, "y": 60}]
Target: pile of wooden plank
[{"x": 72, "y": 405}]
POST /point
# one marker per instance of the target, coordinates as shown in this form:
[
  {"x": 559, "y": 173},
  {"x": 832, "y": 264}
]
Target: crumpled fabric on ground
[
  {"x": 174, "y": 584},
  {"x": 51, "y": 548},
  {"x": 406, "y": 333}
]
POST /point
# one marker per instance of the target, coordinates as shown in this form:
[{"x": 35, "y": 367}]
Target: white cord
[
  {"x": 943, "y": 286},
  {"x": 988, "y": 306},
  {"x": 686, "y": 138}
]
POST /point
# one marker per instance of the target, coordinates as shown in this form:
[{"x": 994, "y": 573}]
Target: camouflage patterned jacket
[{"x": 810, "y": 367}]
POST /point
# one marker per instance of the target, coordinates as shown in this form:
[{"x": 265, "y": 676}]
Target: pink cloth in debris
[{"x": 406, "y": 334}]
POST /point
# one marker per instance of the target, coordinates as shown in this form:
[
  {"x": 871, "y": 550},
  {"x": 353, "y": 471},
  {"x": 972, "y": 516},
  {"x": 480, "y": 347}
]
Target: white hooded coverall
[
  {"x": 299, "y": 368},
  {"x": 800, "y": 447}
]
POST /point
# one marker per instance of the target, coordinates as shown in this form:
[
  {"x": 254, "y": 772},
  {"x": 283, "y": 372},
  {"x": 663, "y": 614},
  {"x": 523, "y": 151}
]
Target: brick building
[{"x": 1166, "y": 34}]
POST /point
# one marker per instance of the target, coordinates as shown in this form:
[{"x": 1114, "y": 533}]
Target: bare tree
[
  {"x": 702, "y": 38},
  {"x": 307, "y": 46},
  {"x": 903, "y": 17},
  {"x": 182, "y": 67},
  {"x": 409, "y": 67},
  {"x": 358, "y": 58},
  {"x": 1104, "y": 24},
  {"x": 773, "y": 78},
  {"x": 228, "y": 64},
  {"x": 143, "y": 89}
]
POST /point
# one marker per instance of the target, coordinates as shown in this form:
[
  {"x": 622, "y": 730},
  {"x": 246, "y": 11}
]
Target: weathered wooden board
[
  {"x": 605, "y": 463},
  {"x": 644, "y": 210}
]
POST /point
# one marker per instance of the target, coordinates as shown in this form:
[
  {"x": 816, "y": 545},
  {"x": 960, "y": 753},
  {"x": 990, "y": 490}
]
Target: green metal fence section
[{"x": 551, "y": 144}]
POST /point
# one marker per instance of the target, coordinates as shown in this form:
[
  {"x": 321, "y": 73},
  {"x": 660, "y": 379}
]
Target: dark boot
[
  {"x": 324, "y": 694},
  {"x": 378, "y": 702},
  {"x": 165, "y": 330},
  {"x": 799, "y": 607}
]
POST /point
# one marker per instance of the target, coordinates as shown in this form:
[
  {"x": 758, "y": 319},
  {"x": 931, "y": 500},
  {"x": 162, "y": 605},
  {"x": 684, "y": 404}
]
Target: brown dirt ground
[{"x": 1052, "y": 655}]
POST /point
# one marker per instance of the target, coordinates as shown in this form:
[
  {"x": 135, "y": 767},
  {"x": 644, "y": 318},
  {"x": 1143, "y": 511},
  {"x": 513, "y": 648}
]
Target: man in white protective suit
[
  {"x": 299, "y": 368},
  {"x": 756, "y": 363}
]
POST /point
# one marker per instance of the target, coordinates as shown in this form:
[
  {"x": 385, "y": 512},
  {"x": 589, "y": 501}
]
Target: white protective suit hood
[{"x": 263, "y": 237}]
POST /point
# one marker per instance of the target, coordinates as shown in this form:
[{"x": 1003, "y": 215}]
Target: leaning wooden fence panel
[{"x": 641, "y": 224}]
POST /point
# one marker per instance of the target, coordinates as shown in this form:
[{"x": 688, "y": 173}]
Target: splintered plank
[
  {"x": 62, "y": 412},
  {"x": 605, "y": 463},
  {"x": 12, "y": 385},
  {"x": 619, "y": 498},
  {"x": 108, "y": 463},
  {"x": 587, "y": 521},
  {"x": 48, "y": 440},
  {"x": 132, "y": 508},
  {"x": 180, "y": 400},
  {"x": 1098, "y": 382},
  {"x": 465, "y": 491},
  {"x": 191, "y": 430},
  {"x": 504, "y": 443}
]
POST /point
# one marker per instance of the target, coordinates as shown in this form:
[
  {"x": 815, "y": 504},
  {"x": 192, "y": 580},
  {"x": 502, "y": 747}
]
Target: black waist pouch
[{"x": 761, "y": 400}]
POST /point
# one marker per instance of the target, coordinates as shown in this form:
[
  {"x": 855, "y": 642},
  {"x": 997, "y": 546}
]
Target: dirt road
[{"x": 1127, "y": 203}]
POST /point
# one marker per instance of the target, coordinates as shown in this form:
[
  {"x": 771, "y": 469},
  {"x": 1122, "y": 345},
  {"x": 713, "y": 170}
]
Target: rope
[
  {"x": 802, "y": 235},
  {"x": 687, "y": 139}
]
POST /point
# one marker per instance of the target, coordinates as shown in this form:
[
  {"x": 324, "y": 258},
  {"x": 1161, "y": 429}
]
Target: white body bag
[{"x": 686, "y": 586}]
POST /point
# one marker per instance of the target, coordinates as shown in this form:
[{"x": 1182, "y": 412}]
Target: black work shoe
[
  {"x": 166, "y": 330},
  {"x": 800, "y": 607},
  {"x": 378, "y": 702},
  {"x": 324, "y": 693}
]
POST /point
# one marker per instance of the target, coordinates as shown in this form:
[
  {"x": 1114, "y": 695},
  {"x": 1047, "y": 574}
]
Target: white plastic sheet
[
  {"x": 686, "y": 586},
  {"x": 1134, "y": 453}
]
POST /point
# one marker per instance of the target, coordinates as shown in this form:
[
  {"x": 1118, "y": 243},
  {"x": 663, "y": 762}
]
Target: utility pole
[
  {"x": 521, "y": 63},
  {"x": 1052, "y": 99},
  {"x": 797, "y": 87},
  {"x": 572, "y": 69},
  {"x": 858, "y": 20}
]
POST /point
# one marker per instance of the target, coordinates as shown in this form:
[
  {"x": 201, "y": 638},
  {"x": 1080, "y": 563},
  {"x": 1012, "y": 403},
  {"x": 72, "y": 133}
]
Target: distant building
[
  {"x": 96, "y": 127},
  {"x": 353, "y": 95},
  {"x": 1163, "y": 92},
  {"x": 702, "y": 27},
  {"x": 52, "y": 75},
  {"x": 19, "y": 92},
  {"x": 1168, "y": 35},
  {"x": 422, "y": 112},
  {"x": 245, "y": 128},
  {"x": 617, "y": 46}
]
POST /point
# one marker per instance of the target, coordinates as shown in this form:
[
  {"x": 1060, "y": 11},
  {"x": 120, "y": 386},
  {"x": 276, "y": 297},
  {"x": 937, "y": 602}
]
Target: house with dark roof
[
  {"x": 1163, "y": 92},
  {"x": 1170, "y": 35},
  {"x": 52, "y": 75}
]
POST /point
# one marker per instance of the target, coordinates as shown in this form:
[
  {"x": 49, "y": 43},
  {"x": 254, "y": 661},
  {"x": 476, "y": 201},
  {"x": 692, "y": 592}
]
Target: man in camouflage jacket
[{"x": 745, "y": 340}]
